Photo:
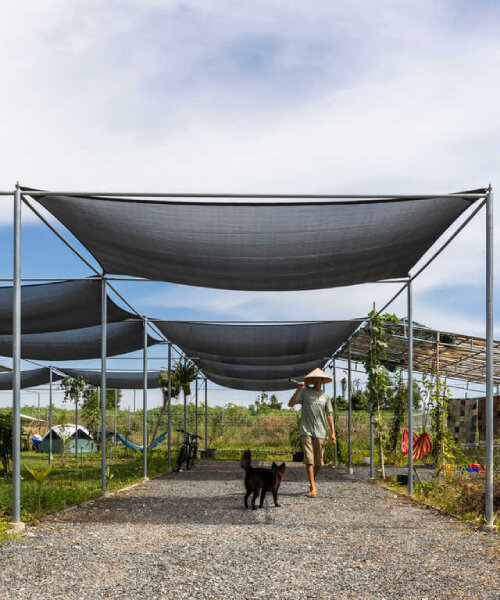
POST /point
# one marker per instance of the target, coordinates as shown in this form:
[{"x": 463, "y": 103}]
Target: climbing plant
[{"x": 379, "y": 380}]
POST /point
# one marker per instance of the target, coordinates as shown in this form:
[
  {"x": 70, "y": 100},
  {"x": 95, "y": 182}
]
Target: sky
[{"x": 274, "y": 96}]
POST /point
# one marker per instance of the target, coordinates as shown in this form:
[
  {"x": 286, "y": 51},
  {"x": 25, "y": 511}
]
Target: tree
[
  {"x": 91, "y": 406},
  {"x": 175, "y": 390}
]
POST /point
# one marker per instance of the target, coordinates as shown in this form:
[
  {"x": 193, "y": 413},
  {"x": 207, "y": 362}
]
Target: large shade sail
[
  {"x": 57, "y": 306},
  {"x": 30, "y": 378},
  {"x": 256, "y": 385},
  {"x": 258, "y": 357},
  {"x": 257, "y": 246},
  {"x": 259, "y": 372},
  {"x": 242, "y": 343},
  {"x": 76, "y": 344},
  {"x": 123, "y": 380}
]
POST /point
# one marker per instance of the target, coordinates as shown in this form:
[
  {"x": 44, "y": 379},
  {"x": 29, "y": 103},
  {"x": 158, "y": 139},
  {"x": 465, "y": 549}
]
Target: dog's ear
[
  {"x": 274, "y": 465},
  {"x": 282, "y": 466}
]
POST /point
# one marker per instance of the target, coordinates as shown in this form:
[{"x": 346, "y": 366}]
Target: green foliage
[
  {"x": 398, "y": 405},
  {"x": 39, "y": 477},
  {"x": 265, "y": 403},
  {"x": 186, "y": 372},
  {"x": 76, "y": 388},
  {"x": 5, "y": 440},
  {"x": 294, "y": 431},
  {"x": 379, "y": 380},
  {"x": 175, "y": 386}
]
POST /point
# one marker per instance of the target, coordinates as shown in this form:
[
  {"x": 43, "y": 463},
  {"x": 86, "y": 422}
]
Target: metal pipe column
[
  {"x": 335, "y": 453},
  {"x": 206, "y": 417},
  {"x": 169, "y": 407},
  {"x": 145, "y": 401},
  {"x": 16, "y": 523},
  {"x": 410, "y": 389},
  {"x": 196, "y": 406},
  {"x": 488, "y": 501},
  {"x": 50, "y": 415},
  {"x": 349, "y": 405},
  {"x": 104, "y": 351},
  {"x": 116, "y": 414},
  {"x": 372, "y": 450}
]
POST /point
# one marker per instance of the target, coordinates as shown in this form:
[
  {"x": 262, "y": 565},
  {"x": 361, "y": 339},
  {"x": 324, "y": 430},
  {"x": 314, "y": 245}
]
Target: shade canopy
[
  {"x": 75, "y": 344},
  {"x": 258, "y": 357},
  {"x": 257, "y": 246},
  {"x": 58, "y": 306},
  {"x": 123, "y": 380},
  {"x": 263, "y": 372},
  {"x": 256, "y": 385},
  {"x": 30, "y": 378}
]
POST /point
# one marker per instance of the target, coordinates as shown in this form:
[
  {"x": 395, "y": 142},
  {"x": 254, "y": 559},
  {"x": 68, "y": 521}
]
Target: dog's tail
[{"x": 246, "y": 460}]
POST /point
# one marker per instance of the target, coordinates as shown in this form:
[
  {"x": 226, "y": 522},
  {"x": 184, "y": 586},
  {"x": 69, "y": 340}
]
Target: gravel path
[{"x": 187, "y": 535}]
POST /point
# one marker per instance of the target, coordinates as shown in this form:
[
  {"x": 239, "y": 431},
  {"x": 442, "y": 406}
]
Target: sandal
[{"x": 312, "y": 494}]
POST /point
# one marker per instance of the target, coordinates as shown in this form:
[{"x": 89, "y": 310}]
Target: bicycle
[{"x": 189, "y": 450}]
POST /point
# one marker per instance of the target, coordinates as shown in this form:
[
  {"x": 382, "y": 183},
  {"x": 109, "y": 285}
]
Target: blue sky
[{"x": 269, "y": 96}]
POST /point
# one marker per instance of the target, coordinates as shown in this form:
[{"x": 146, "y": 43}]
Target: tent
[{"x": 69, "y": 434}]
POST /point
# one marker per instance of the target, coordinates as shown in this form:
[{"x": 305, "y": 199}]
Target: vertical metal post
[
  {"x": 134, "y": 401},
  {"x": 372, "y": 449},
  {"x": 196, "y": 406},
  {"x": 128, "y": 423},
  {"x": 169, "y": 408},
  {"x": 488, "y": 501},
  {"x": 185, "y": 406},
  {"x": 206, "y": 417},
  {"x": 145, "y": 401},
  {"x": 104, "y": 351},
  {"x": 349, "y": 406},
  {"x": 116, "y": 415},
  {"x": 334, "y": 378},
  {"x": 76, "y": 426},
  {"x": 50, "y": 415},
  {"x": 16, "y": 523},
  {"x": 410, "y": 389}
]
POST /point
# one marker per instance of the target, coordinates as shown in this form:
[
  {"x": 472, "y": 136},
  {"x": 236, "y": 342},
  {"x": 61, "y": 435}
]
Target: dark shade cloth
[
  {"x": 29, "y": 378},
  {"x": 265, "y": 372},
  {"x": 257, "y": 246},
  {"x": 76, "y": 344},
  {"x": 257, "y": 385},
  {"x": 258, "y": 357},
  {"x": 122, "y": 380},
  {"x": 242, "y": 343},
  {"x": 58, "y": 306}
]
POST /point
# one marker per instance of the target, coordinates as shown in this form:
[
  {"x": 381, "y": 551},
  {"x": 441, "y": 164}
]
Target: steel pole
[
  {"x": 206, "y": 417},
  {"x": 334, "y": 373},
  {"x": 196, "y": 406},
  {"x": 169, "y": 407},
  {"x": 104, "y": 351},
  {"x": 16, "y": 523},
  {"x": 410, "y": 389},
  {"x": 145, "y": 401},
  {"x": 76, "y": 425},
  {"x": 488, "y": 501},
  {"x": 50, "y": 415},
  {"x": 116, "y": 415},
  {"x": 349, "y": 412}
]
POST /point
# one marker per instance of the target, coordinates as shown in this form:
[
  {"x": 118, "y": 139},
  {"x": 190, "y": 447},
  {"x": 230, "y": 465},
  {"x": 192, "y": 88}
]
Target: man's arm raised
[{"x": 293, "y": 399}]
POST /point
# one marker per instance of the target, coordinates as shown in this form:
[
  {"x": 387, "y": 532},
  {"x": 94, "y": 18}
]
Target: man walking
[{"x": 316, "y": 412}]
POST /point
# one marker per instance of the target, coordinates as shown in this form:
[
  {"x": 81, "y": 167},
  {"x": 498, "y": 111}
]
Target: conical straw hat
[{"x": 318, "y": 373}]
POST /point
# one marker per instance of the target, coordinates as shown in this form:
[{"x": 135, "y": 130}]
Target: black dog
[{"x": 261, "y": 480}]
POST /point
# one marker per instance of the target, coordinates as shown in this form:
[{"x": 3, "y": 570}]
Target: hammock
[
  {"x": 156, "y": 442},
  {"x": 422, "y": 444}
]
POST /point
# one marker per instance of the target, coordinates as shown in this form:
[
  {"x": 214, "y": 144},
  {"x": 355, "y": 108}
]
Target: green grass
[{"x": 73, "y": 483}]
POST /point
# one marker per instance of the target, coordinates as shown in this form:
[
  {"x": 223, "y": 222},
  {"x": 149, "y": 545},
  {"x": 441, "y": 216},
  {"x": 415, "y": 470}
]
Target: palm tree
[
  {"x": 186, "y": 373},
  {"x": 175, "y": 390}
]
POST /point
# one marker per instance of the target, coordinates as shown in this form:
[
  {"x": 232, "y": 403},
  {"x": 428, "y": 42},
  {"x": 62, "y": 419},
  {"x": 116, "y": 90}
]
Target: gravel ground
[{"x": 187, "y": 535}]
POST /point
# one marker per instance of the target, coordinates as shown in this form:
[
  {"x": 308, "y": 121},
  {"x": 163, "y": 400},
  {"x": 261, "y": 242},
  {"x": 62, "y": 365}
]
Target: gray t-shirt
[{"x": 315, "y": 407}]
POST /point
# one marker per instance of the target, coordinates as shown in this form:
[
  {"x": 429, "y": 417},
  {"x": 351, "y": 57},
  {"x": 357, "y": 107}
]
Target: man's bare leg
[
  {"x": 310, "y": 474},
  {"x": 316, "y": 470}
]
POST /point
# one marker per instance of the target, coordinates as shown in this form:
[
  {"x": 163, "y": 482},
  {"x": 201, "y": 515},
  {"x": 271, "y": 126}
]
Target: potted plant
[{"x": 294, "y": 436}]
